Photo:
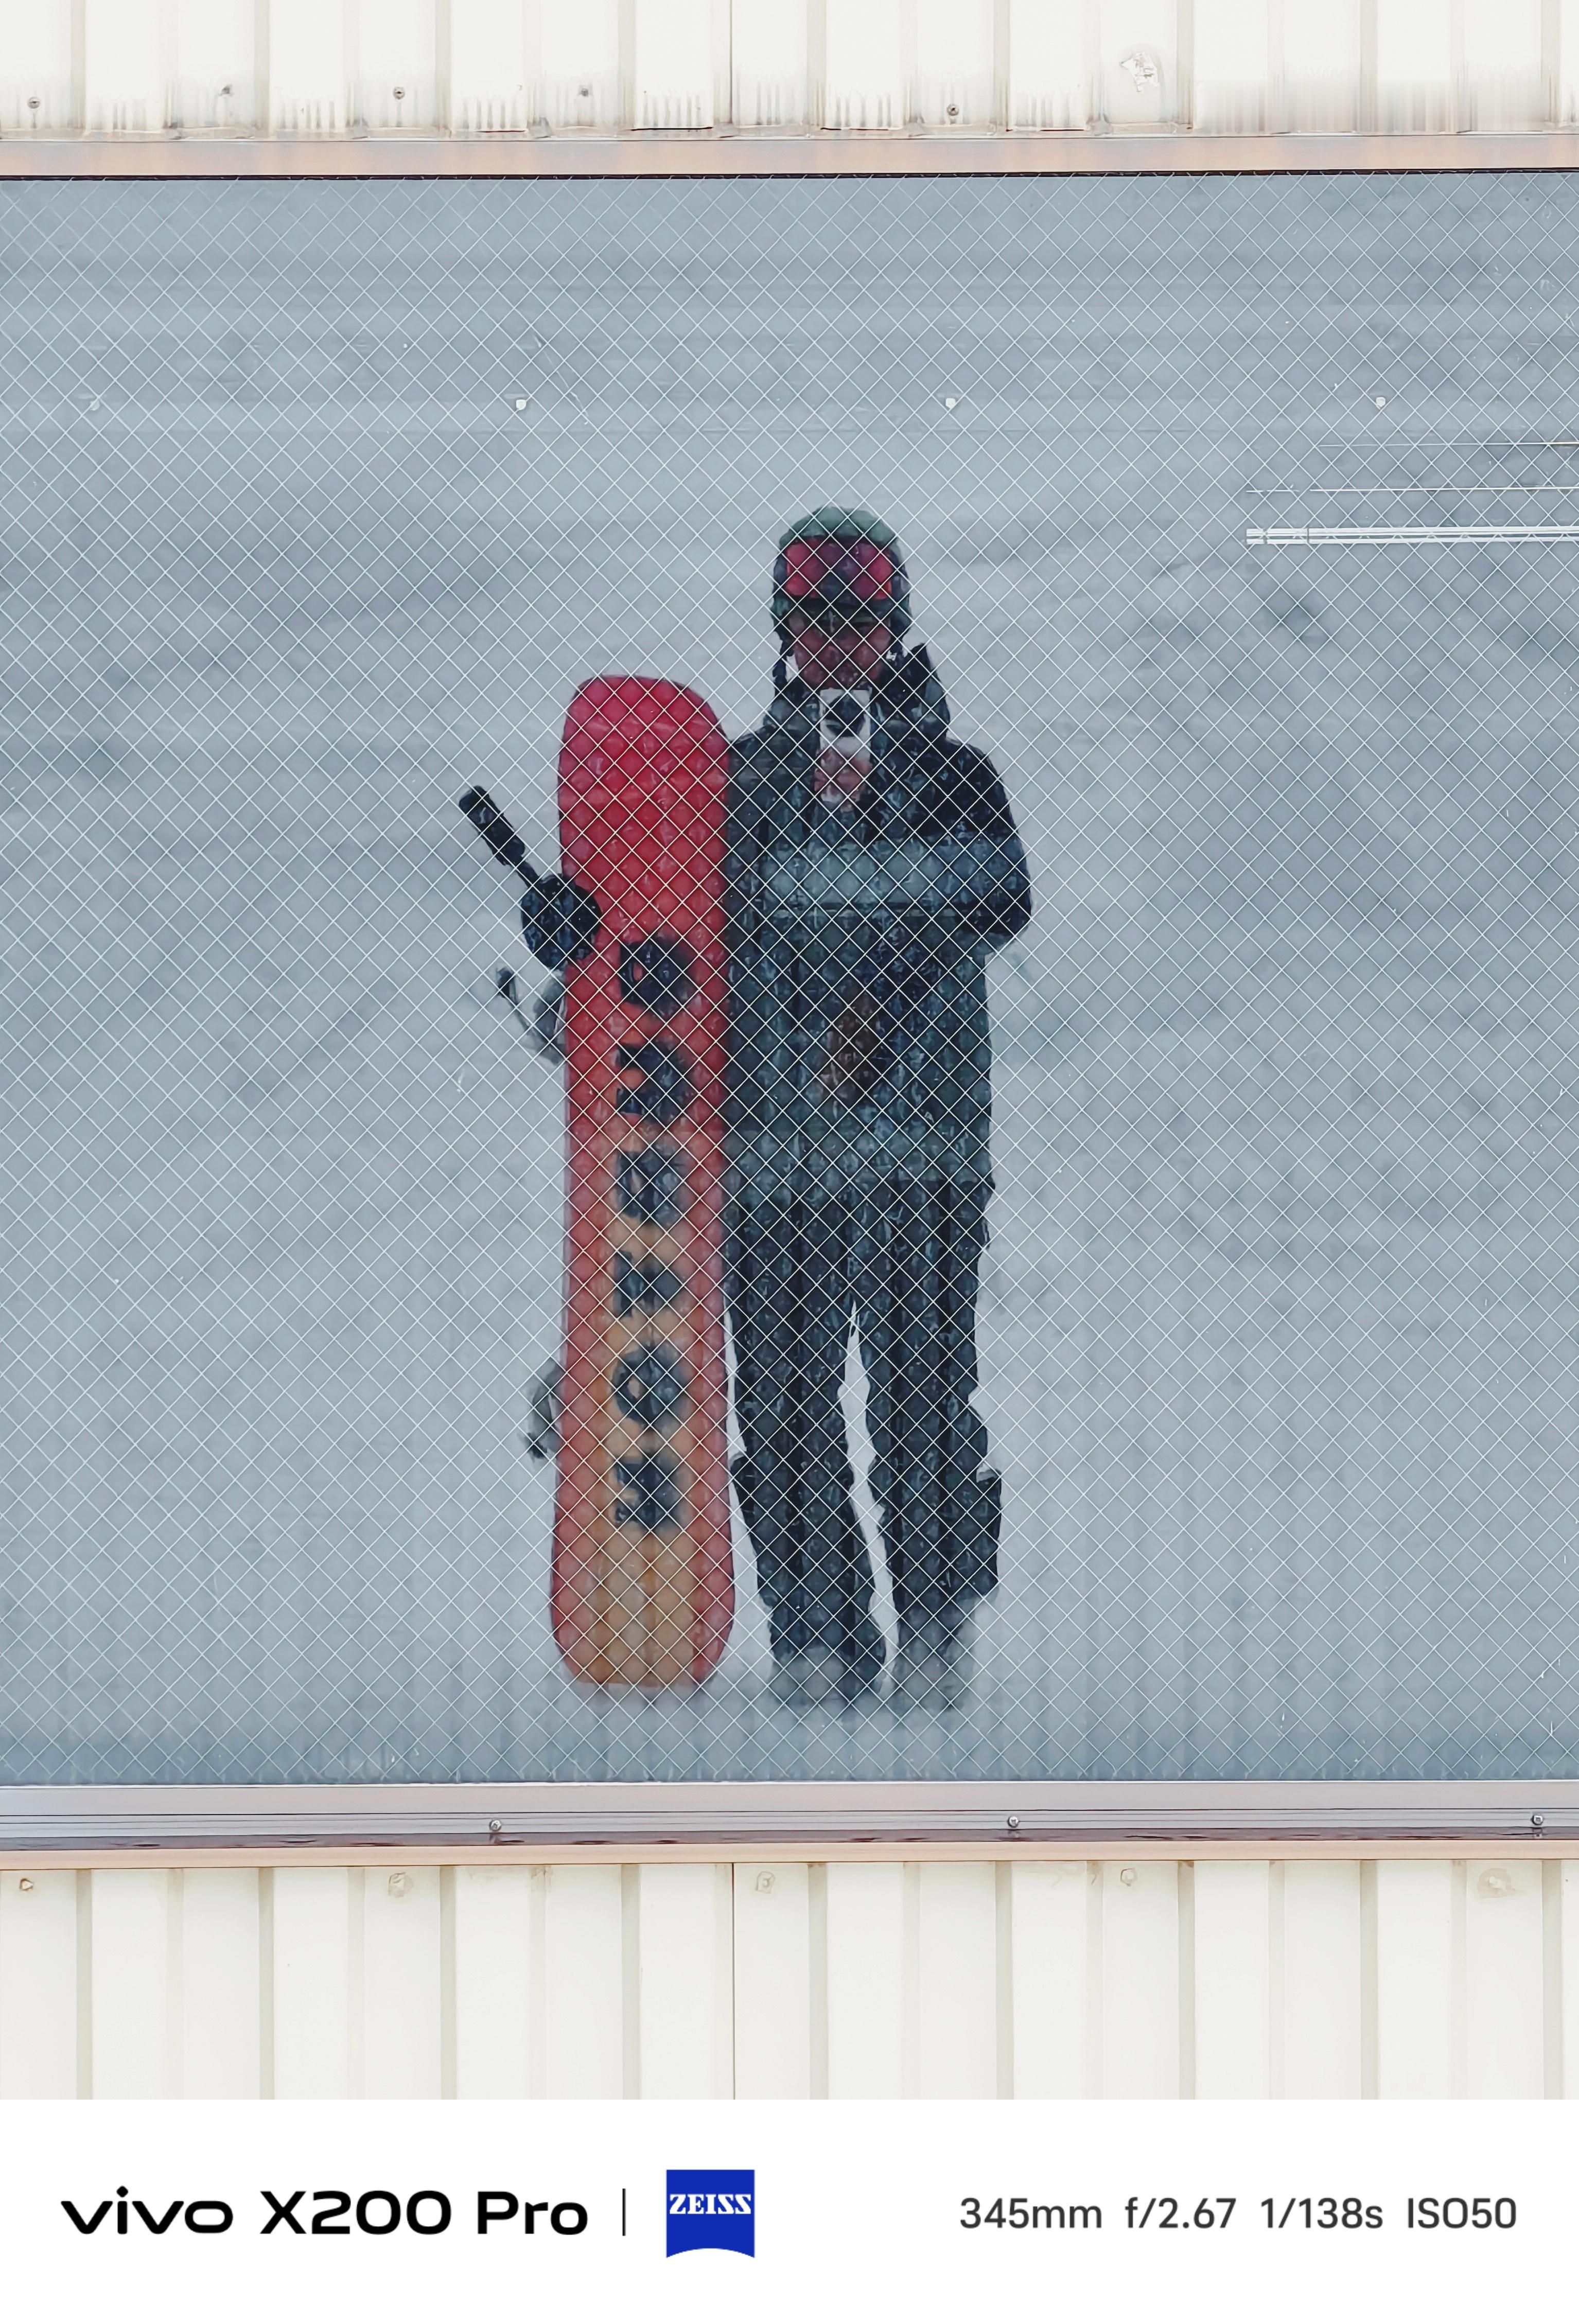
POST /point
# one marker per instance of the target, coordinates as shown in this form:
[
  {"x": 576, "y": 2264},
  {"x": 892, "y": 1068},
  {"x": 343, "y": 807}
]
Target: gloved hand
[{"x": 558, "y": 920}]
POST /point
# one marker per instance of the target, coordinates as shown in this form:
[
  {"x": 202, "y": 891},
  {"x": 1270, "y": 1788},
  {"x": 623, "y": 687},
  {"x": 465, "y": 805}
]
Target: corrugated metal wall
[
  {"x": 316, "y": 68},
  {"x": 1148, "y": 1978}
]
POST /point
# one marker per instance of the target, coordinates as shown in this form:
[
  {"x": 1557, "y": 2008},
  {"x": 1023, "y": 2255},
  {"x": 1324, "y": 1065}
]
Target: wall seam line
[
  {"x": 1003, "y": 1906},
  {"x": 630, "y": 1980},
  {"x": 265, "y": 1982},
  {"x": 1370, "y": 1984},
  {"x": 1186, "y": 1980},
  {"x": 816, "y": 1907},
  {"x": 85, "y": 1985}
]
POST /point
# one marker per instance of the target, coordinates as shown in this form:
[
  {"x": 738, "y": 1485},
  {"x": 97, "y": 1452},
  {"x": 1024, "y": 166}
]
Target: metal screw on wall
[
  {"x": 25, "y": 1887},
  {"x": 495, "y": 1827},
  {"x": 1127, "y": 1876},
  {"x": 1013, "y": 1822},
  {"x": 1538, "y": 1822}
]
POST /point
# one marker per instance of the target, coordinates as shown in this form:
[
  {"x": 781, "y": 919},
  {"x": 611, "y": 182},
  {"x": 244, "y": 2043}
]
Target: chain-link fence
[{"x": 1236, "y": 514}]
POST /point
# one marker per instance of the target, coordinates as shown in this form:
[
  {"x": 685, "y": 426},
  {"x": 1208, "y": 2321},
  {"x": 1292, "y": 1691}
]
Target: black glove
[{"x": 559, "y": 920}]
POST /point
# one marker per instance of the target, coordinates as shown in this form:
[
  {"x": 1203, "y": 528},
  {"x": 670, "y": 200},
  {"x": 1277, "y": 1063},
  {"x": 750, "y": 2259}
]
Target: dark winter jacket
[{"x": 859, "y": 1050}]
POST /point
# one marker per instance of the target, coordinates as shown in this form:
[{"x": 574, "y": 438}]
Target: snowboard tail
[{"x": 642, "y": 1591}]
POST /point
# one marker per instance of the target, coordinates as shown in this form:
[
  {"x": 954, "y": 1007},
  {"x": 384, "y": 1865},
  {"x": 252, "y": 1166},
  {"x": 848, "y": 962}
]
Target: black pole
[{"x": 490, "y": 819}]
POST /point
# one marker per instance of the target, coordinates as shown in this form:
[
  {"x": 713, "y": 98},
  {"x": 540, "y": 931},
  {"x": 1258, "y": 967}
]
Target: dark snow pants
[{"x": 901, "y": 1265}]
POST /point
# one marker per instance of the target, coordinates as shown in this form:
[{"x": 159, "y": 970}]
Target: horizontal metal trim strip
[
  {"x": 797, "y": 1816},
  {"x": 1372, "y": 536},
  {"x": 1091, "y": 1848},
  {"x": 830, "y": 154}
]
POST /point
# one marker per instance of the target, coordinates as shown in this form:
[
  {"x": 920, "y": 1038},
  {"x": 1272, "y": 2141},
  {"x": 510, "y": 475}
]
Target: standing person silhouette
[{"x": 874, "y": 864}]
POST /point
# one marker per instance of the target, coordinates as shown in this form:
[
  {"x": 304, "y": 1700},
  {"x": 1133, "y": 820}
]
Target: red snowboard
[{"x": 642, "y": 1584}]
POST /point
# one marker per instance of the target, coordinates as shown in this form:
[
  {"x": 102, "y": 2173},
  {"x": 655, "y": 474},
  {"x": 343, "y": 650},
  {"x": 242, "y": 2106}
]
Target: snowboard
[{"x": 642, "y": 1591}]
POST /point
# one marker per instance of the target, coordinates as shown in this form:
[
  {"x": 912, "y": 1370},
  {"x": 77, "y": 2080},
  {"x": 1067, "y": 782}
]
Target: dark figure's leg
[
  {"x": 917, "y": 1262},
  {"x": 789, "y": 1292}
]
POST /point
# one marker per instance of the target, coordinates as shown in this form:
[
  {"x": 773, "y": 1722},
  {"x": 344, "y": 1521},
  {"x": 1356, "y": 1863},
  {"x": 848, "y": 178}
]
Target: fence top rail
[{"x": 563, "y": 1821}]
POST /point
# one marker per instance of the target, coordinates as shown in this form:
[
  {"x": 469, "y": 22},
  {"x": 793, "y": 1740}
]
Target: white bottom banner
[{"x": 688, "y": 2210}]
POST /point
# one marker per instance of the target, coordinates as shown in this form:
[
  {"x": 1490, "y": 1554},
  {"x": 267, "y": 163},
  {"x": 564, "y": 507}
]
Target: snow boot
[
  {"x": 933, "y": 1665},
  {"x": 820, "y": 1678}
]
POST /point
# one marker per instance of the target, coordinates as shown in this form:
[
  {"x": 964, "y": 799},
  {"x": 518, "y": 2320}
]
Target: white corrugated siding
[
  {"x": 316, "y": 67},
  {"x": 1032, "y": 1979}
]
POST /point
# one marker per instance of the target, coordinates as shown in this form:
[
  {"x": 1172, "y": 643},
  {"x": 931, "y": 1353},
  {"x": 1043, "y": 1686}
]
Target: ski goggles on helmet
[{"x": 850, "y": 580}]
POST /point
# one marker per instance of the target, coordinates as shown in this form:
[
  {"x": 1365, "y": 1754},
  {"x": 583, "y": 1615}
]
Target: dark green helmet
[{"x": 842, "y": 562}]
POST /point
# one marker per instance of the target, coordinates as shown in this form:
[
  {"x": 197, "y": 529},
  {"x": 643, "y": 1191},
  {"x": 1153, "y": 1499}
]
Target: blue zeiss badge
[{"x": 712, "y": 2210}]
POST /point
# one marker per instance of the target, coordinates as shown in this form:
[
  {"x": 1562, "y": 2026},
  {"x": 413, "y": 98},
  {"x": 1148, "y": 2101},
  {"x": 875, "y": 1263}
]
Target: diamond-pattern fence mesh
[{"x": 1234, "y": 513}]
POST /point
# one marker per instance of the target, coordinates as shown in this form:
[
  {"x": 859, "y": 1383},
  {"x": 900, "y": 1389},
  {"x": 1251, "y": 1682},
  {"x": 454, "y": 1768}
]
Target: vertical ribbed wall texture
[
  {"x": 316, "y": 67},
  {"x": 1152, "y": 1979}
]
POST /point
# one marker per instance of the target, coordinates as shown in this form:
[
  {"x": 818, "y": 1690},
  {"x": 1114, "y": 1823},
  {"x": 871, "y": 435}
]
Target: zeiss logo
[{"x": 712, "y": 2210}]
